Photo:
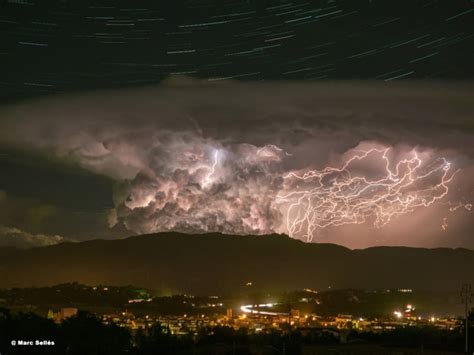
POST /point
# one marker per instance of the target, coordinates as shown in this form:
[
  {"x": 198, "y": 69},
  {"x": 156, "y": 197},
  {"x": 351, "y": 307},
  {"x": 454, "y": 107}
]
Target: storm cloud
[
  {"x": 196, "y": 157},
  {"x": 14, "y": 237}
]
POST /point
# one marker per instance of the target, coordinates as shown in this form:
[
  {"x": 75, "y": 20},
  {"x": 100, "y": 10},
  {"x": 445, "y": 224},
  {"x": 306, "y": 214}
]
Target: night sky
[{"x": 121, "y": 118}]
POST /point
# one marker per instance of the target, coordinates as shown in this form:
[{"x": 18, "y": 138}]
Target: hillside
[{"x": 223, "y": 263}]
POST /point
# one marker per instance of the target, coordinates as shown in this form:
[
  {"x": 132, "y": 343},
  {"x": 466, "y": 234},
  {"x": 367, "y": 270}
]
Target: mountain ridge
[{"x": 214, "y": 262}]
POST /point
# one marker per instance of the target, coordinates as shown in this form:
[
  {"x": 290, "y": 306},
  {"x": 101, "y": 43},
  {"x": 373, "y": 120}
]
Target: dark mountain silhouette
[{"x": 216, "y": 263}]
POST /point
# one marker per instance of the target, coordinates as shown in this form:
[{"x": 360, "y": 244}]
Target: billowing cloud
[
  {"x": 206, "y": 157},
  {"x": 199, "y": 186},
  {"x": 14, "y": 237}
]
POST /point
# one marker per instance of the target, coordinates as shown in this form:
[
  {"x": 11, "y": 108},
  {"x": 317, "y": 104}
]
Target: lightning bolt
[
  {"x": 212, "y": 169},
  {"x": 460, "y": 205},
  {"x": 339, "y": 196},
  {"x": 466, "y": 206},
  {"x": 444, "y": 225}
]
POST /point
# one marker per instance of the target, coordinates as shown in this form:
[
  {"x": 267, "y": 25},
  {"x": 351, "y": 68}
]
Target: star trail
[{"x": 56, "y": 46}]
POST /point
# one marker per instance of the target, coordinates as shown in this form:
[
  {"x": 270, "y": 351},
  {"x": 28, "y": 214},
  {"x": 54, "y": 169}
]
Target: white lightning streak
[
  {"x": 335, "y": 197},
  {"x": 207, "y": 180}
]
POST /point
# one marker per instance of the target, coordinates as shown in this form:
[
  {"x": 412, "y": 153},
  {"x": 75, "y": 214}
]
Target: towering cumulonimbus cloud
[
  {"x": 298, "y": 159},
  {"x": 200, "y": 186}
]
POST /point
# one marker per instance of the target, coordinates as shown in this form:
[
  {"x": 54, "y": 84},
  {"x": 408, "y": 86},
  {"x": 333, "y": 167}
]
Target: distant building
[
  {"x": 230, "y": 313},
  {"x": 67, "y": 312},
  {"x": 50, "y": 314},
  {"x": 295, "y": 313},
  {"x": 62, "y": 315},
  {"x": 344, "y": 321}
]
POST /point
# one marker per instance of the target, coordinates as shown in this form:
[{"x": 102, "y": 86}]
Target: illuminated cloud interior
[{"x": 308, "y": 160}]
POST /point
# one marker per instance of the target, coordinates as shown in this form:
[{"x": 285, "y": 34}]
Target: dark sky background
[
  {"x": 60, "y": 45},
  {"x": 101, "y": 101}
]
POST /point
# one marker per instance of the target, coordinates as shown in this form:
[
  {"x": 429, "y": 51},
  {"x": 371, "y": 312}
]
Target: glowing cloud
[
  {"x": 244, "y": 189},
  {"x": 358, "y": 164},
  {"x": 337, "y": 196}
]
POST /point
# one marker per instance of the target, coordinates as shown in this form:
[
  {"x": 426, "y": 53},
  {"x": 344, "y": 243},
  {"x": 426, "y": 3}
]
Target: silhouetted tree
[
  {"x": 28, "y": 327},
  {"x": 86, "y": 334},
  {"x": 159, "y": 340}
]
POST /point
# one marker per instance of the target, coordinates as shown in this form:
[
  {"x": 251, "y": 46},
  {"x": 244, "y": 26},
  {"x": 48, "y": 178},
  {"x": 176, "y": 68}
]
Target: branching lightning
[
  {"x": 337, "y": 196},
  {"x": 243, "y": 189},
  {"x": 212, "y": 169},
  {"x": 454, "y": 207}
]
